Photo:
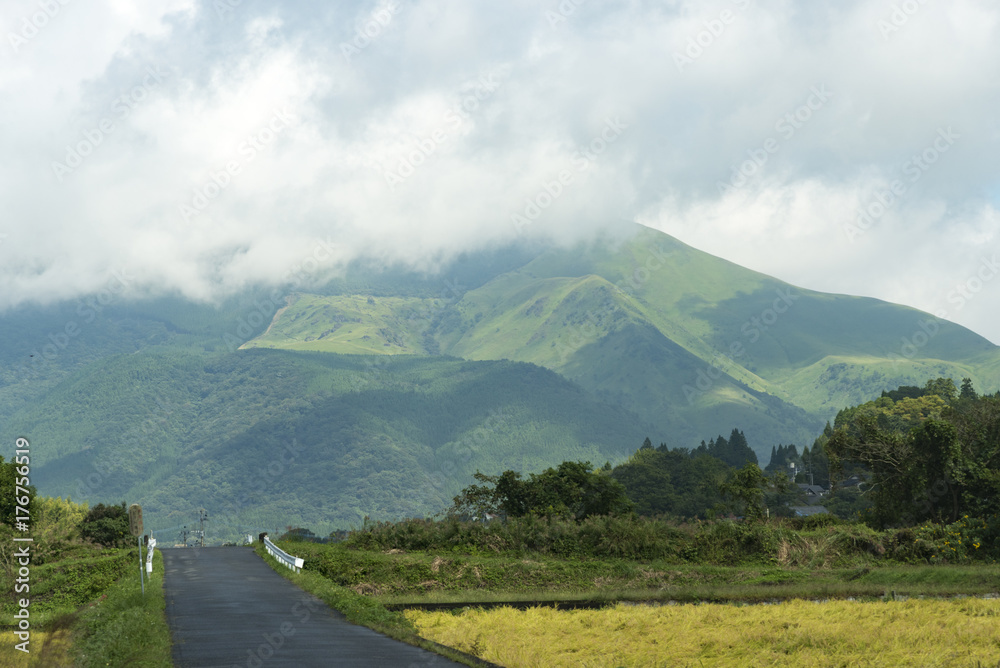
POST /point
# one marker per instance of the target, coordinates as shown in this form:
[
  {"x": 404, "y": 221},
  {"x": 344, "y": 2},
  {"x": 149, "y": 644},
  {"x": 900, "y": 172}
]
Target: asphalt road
[{"x": 227, "y": 608}]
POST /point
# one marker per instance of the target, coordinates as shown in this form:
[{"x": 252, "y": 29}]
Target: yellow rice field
[{"x": 939, "y": 633}]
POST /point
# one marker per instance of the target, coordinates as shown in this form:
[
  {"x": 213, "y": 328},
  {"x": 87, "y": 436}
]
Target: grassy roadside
[
  {"x": 363, "y": 610},
  {"x": 88, "y": 610},
  {"x": 125, "y": 628}
]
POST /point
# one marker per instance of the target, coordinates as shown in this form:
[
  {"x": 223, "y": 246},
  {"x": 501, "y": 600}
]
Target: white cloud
[{"x": 488, "y": 105}]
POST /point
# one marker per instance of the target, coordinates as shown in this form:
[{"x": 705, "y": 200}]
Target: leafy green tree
[
  {"x": 675, "y": 482},
  {"x": 744, "y": 488},
  {"x": 928, "y": 466},
  {"x": 54, "y": 518},
  {"x": 739, "y": 448},
  {"x": 12, "y": 476},
  {"x": 107, "y": 525},
  {"x": 571, "y": 489},
  {"x": 816, "y": 462},
  {"x": 848, "y": 503},
  {"x": 903, "y": 391},
  {"x": 780, "y": 493},
  {"x": 646, "y": 477},
  {"x": 883, "y": 451},
  {"x": 942, "y": 387},
  {"x": 974, "y": 459},
  {"x": 698, "y": 487},
  {"x": 480, "y": 500},
  {"x": 967, "y": 391},
  {"x": 782, "y": 457}
]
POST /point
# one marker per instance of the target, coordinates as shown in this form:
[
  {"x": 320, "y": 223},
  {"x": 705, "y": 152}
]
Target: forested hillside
[{"x": 265, "y": 438}]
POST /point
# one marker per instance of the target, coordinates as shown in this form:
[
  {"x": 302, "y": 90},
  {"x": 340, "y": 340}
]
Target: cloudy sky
[{"x": 203, "y": 145}]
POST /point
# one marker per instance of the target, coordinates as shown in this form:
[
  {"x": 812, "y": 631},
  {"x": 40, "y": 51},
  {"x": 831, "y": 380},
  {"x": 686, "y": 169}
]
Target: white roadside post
[
  {"x": 149, "y": 555},
  {"x": 135, "y": 527}
]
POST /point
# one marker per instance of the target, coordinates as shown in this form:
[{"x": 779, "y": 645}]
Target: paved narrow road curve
[{"x": 227, "y": 608}]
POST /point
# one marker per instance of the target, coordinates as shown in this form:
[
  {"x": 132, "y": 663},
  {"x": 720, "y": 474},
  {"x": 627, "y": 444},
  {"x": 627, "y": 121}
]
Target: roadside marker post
[
  {"x": 135, "y": 527},
  {"x": 149, "y": 557}
]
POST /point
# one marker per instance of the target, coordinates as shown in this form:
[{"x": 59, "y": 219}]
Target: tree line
[
  {"x": 721, "y": 477},
  {"x": 915, "y": 454},
  {"x": 929, "y": 454}
]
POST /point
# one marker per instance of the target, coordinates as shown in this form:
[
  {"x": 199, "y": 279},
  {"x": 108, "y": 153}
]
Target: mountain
[
  {"x": 693, "y": 344},
  {"x": 380, "y": 393}
]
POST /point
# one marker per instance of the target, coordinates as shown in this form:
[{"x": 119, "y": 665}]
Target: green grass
[
  {"x": 77, "y": 576},
  {"x": 664, "y": 582},
  {"x": 125, "y": 628}
]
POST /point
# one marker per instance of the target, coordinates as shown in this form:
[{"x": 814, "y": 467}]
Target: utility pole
[{"x": 203, "y": 516}]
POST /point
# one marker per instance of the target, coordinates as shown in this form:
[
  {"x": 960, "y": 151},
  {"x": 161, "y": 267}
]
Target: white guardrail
[{"x": 295, "y": 563}]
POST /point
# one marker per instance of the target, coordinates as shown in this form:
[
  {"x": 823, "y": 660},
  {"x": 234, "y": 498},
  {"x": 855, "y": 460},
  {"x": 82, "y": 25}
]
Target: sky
[{"x": 203, "y": 146}]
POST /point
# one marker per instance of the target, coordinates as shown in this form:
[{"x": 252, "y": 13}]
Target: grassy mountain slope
[
  {"x": 599, "y": 336},
  {"x": 694, "y": 344},
  {"x": 351, "y": 324}
]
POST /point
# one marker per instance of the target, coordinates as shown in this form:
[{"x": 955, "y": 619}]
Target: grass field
[{"x": 943, "y": 633}]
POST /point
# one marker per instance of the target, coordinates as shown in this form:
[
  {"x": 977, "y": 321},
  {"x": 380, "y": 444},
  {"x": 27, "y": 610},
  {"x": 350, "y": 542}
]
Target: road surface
[{"x": 226, "y": 607}]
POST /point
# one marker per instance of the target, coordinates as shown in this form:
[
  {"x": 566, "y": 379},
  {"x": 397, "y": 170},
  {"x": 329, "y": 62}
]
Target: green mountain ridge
[
  {"x": 391, "y": 388},
  {"x": 684, "y": 339}
]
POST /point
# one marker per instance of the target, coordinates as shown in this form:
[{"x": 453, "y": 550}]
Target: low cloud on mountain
[{"x": 200, "y": 147}]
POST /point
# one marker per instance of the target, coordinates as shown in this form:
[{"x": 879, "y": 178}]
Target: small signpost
[{"x": 135, "y": 527}]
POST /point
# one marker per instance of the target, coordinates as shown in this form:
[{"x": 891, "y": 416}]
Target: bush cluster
[
  {"x": 626, "y": 537},
  {"x": 821, "y": 540},
  {"x": 967, "y": 540}
]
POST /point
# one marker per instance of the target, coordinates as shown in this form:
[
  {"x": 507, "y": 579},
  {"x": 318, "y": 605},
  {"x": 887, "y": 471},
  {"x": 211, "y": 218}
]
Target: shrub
[
  {"x": 968, "y": 539},
  {"x": 107, "y": 525},
  {"x": 857, "y": 539}
]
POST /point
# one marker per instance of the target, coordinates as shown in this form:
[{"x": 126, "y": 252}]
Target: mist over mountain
[{"x": 205, "y": 148}]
